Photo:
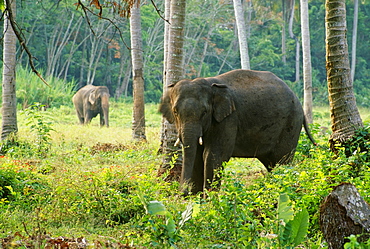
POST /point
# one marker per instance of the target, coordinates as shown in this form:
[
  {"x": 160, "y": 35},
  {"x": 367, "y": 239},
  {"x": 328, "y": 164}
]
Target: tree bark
[
  {"x": 138, "y": 122},
  {"x": 342, "y": 213},
  {"x": 345, "y": 117},
  {"x": 9, "y": 109},
  {"x": 307, "y": 69},
  {"x": 242, "y": 34},
  {"x": 174, "y": 72},
  {"x": 291, "y": 34},
  {"x": 283, "y": 35},
  {"x": 354, "y": 40}
]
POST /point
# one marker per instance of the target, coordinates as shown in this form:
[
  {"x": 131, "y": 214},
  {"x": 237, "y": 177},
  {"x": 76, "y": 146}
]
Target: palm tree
[
  {"x": 174, "y": 72},
  {"x": 9, "y": 110},
  {"x": 138, "y": 123},
  {"x": 354, "y": 40},
  {"x": 307, "y": 69},
  {"x": 291, "y": 4},
  {"x": 242, "y": 34},
  {"x": 345, "y": 117}
]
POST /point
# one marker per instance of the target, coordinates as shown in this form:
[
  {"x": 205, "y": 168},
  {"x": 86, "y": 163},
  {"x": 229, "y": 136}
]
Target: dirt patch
[
  {"x": 46, "y": 241},
  {"x": 107, "y": 147}
]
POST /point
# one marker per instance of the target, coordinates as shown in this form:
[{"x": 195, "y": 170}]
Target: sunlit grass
[{"x": 90, "y": 182}]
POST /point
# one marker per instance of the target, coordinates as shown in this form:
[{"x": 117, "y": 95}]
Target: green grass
[{"x": 95, "y": 183}]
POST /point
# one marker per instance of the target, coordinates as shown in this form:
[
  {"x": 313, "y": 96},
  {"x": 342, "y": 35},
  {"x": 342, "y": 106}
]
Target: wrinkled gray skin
[
  {"x": 90, "y": 101},
  {"x": 241, "y": 113}
]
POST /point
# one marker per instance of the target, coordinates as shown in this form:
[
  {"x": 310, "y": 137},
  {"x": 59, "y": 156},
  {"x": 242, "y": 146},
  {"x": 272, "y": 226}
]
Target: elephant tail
[{"x": 307, "y": 130}]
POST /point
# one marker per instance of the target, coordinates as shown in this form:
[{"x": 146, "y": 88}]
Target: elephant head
[
  {"x": 99, "y": 101},
  {"x": 192, "y": 106},
  {"x": 90, "y": 101}
]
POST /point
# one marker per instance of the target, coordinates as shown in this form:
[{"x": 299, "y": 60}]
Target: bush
[{"x": 31, "y": 89}]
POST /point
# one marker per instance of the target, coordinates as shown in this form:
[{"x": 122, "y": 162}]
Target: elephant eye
[{"x": 203, "y": 114}]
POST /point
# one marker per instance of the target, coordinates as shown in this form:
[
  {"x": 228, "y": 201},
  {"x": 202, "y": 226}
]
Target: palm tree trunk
[
  {"x": 354, "y": 40},
  {"x": 345, "y": 118},
  {"x": 174, "y": 67},
  {"x": 138, "y": 122},
  {"x": 307, "y": 70},
  {"x": 291, "y": 34},
  {"x": 242, "y": 34},
  {"x": 9, "y": 110}
]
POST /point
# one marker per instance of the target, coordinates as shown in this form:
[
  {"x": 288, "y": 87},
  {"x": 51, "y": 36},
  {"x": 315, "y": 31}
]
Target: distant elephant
[
  {"x": 242, "y": 113},
  {"x": 90, "y": 101}
]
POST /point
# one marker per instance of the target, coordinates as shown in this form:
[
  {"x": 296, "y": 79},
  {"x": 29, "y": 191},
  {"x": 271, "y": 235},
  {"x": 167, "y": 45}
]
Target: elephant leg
[
  {"x": 80, "y": 118},
  {"x": 198, "y": 171},
  {"x": 213, "y": 163},
  {"x": 87, "y": 118},
  {"x": 101, "y": 119},
  {"x": 268, "y": 161},
  {"x": 218, "y": 149},
  {"x": 213, "y": 166}
]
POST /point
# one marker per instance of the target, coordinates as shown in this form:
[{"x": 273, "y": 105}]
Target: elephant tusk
[
  {"x": 200, "y": 140},
  {"x": 177, "y": 142}
]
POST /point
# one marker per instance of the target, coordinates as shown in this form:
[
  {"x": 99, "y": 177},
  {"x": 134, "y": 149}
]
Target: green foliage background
[
  {"x": 63, "y": 179},
  {"x": 211, "y": 45}
]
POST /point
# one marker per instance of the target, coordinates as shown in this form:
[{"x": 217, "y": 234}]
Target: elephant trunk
[
  {"x": 191, "y": 136},
  {"x": 105, "y": 110}
]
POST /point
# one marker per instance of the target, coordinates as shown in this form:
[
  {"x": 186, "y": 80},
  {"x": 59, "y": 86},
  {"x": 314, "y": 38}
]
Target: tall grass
[
  {"x": 30, "y": 90},
  {"x": 96, "y": 183}
]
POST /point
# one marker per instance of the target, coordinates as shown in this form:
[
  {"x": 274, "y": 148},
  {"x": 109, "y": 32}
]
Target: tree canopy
[{"x": 87, "y": 48}]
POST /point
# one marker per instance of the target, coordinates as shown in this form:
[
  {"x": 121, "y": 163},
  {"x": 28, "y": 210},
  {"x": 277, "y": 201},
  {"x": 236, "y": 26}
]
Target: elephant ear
[
  {"x": 223, "y": 103},
  {"x": 93, "y": 96},
  {"x": 166, "y": 109}
]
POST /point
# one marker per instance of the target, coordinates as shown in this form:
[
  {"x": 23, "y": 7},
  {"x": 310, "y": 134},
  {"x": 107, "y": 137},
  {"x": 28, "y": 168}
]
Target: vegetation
[
  {"x": 63, "y": 184},
  {"x": 66, "y": 183},
  {"x": 74, "y": 54}
]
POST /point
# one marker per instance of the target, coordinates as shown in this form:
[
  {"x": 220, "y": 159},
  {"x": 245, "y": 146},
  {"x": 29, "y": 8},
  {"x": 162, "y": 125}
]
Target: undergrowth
[{"x": 97, "y": 184}]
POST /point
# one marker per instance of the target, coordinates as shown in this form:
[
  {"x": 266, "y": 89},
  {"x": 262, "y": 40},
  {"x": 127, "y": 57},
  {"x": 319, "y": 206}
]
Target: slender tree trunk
[
  {"x": 242, "y": 34},
  {"x": 283, "y": 34},
  {"x": 249, "y": 17},
  {"x": 123, "y": 77},
  {"x": 307, "y": 69},
  {"x": 167, "y": 15},
  {"x": 82, "y": 81},
  {"x": 138, "y": 122},
  {"x": 190, "y": 55},
  {"x": 297, "y": 59},
  {"x": 174, "y": 72},
  {"x": 57, "y": 44},
  {"x": 291, "y": 34},
  {"x": 354, "y": 40},
  {"x": 203, "y": 56},
  {"x": 345, "y": 118},
  {"x": 74, "y": 47},
  {"x": 9, "y": 109},
  {"x": 94, "y": 58}
]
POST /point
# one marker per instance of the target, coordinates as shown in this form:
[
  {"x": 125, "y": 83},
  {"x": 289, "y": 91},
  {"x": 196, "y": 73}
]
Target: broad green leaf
[
  {"x": 299, "y": 226},
  {"x": 285, "y": 237},
  {"x": 2, "y": 5},
  {"x": 285, "y": 211},
  {"x": 156, "y": 208},
  {"x": 170, "y": 227}
]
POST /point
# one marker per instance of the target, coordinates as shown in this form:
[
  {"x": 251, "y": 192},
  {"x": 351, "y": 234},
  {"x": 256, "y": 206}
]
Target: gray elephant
[
  {"x": 242, "y": 113},
  {"x": 90, "y": 101}
]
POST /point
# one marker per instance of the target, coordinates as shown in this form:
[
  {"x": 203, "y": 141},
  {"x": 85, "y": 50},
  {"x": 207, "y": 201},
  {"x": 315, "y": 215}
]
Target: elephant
[
  {"x": 241, "y": 113},
  {"x": 90, "y": 101}
]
